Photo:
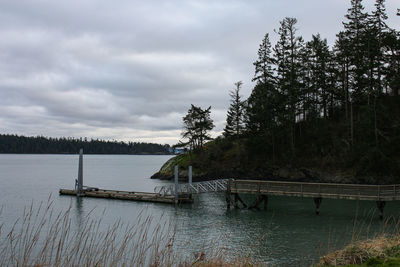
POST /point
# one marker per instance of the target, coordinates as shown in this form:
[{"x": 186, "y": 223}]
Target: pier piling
[
  {"x": 381, "y": 206},
  {"x": 176, "y": 185},
  {"x": 228, "y": 194},
  {"x": 79, "y": 191},
  {"x": 190, "y": 175},
  {"x": 317, "y": 202}
]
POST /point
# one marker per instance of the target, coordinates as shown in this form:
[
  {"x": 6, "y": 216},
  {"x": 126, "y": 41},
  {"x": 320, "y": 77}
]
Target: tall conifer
[{"x": 235, "y": 117}]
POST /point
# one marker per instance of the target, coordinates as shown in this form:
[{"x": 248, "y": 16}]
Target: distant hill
[{"x": 48, "y": 145}]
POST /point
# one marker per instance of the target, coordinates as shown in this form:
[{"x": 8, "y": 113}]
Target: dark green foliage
[
  {"x": 327, "y": 109},
  {"x": 333, "y": 114},
  {"x": 45, "y": 145},
  {"x": 263, "y": 113}
]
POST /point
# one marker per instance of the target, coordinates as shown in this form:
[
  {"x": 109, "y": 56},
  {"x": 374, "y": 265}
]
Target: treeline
[
  {"x": 48, "y": 145},
  {"x": 338, "y": 102},
  {"x": 319, "y": 105}
]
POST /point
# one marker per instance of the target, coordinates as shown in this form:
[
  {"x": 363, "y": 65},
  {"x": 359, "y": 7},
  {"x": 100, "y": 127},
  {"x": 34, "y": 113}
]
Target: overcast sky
[{"x": 128, "y": 70}]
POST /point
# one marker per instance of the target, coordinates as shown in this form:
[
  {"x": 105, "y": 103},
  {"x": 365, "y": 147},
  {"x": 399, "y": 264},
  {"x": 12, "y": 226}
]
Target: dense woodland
[
  {"x": 317, "y": 106},
  {"x": 45, "y": 145}
]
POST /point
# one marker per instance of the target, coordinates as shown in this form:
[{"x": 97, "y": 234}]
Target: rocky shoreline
[
  {"x": 205, "y": 169},
  {"x": 288, "y": 174}
]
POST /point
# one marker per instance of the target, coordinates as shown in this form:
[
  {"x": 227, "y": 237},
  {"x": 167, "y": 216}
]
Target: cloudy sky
[{"x": 128, "y": 69}]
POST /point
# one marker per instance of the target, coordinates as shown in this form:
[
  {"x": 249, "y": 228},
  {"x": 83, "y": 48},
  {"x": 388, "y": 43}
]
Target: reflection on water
[{"x": 287, "y": 234}]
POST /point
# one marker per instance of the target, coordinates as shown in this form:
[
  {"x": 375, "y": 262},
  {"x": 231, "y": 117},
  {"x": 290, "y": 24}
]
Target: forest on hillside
[
  {"x": 48, "y": 145},
  {"x": 313, "y": 105}
]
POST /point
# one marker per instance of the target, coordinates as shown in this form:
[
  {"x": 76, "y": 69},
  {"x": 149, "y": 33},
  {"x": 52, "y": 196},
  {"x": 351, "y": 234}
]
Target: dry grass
[
  {"x": 384, "y": 244},
  {"x": 360, "y": 252},
  {"x": 44, "y": 237}
]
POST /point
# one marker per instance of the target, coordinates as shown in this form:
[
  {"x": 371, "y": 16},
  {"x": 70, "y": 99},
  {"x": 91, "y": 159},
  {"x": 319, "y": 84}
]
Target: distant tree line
[{"x": 48, "y": 145}]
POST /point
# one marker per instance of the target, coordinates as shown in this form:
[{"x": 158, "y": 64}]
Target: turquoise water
[{"x": 287, "y": 234}]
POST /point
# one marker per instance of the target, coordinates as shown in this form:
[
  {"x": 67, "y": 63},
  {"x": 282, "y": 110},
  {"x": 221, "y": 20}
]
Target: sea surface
[{"x": 287, "y": 234}]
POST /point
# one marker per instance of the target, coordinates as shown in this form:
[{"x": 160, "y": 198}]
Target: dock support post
[
  {"x": 176, "y": 184},
  {"x": 190, "y": 178},
  {"x": 256, "y": 202},
  {"x": 235, "y": 203},
  {"x": 265, "y": 202},
  {"x": 228, "y": 194},
  {"x": 317, "y": 202},
  {"x": 190, "y": 175},
  {"x": 79, "y": 191},
  {"x": 380, "y": 204}
]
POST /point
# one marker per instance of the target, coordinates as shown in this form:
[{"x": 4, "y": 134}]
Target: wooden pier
[
  {"x": 262, "y": 189},
  {"x": 175, "y": 194},
  {"x": 129, "y": 195}
]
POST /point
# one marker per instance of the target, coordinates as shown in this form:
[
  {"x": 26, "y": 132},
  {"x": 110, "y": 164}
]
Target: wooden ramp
[{"x": 129, "y": 195}]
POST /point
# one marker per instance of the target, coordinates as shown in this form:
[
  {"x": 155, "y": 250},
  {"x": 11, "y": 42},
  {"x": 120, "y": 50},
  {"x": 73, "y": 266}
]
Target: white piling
[
  {"x": 79, "y": 191},
  {"x": 190, "y": 175},
  {"x": 176, "y": 184}
]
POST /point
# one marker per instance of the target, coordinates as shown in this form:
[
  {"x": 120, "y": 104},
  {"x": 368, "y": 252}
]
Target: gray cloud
[{"x": 129, "y": 70}]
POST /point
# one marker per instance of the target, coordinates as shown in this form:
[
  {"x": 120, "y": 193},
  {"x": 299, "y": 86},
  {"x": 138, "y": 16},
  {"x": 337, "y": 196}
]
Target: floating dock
[
  {"x": 129, "y": 195},
  {"x": 86, "y": 191}
]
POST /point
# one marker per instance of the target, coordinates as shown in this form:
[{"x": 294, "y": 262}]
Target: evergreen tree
[
  {"x": 392, "y": 59},
  {"x": 263, "y": 112},
  {"x": 263, "y": 65},
  {"x": 355, "y": 32},
  {"x": 263, "y": 105},
  {"x": 320, "y": 57},
  {"x": 289, "y": 68},
  {"x": 235, "y": 117},
  {"x": 377, "y": 30},
  {"x": 197, "y": 124},
  {"x": 342, "y": 57}
]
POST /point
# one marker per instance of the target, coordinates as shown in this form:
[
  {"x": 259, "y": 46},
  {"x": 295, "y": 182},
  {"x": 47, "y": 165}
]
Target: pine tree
[
  {"x": 197, "y": 124},
  {"x": 342, "y": 54},
  {"x": 320, "y": 57},
  {"x": 264, "y": 109},
  {"x": 377, "y": 29},
  {"x": 355, "y": 32},
  {"x": 235, "y": 117},
  {"x": 263, "y": 65},
  {"x": 392, "y": 60},
  {"x": 289, "y": 68}
]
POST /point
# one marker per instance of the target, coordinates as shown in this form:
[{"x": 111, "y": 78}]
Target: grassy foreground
[{"x": 44, "y": 237}]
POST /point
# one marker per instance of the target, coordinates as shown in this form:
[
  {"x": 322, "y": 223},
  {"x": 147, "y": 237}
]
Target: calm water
[{"x": 288, "y": 234}]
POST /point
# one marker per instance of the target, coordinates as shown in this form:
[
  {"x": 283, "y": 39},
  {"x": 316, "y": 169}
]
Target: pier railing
[
  {"x": 325, "y": 190},
  {"x": 298, "y": 189},
  {"x": 194, "y": 188}
]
